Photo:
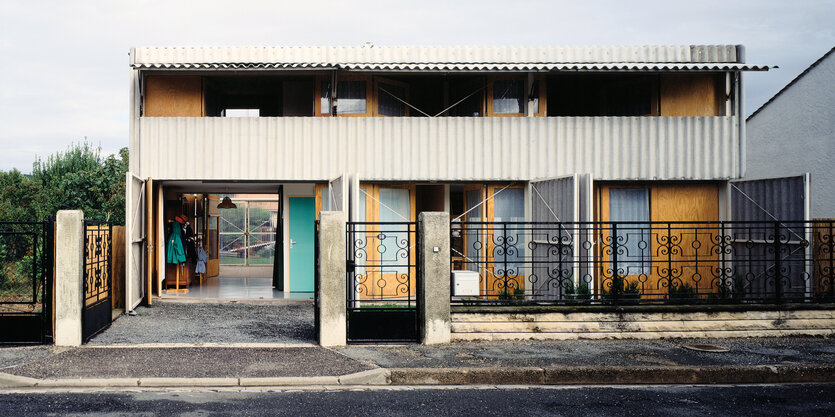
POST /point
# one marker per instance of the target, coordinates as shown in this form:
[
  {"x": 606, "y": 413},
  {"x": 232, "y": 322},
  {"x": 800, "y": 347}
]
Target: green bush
[
  {"x": 622, "y": 288},
  {"x": 579, "y": 292}
]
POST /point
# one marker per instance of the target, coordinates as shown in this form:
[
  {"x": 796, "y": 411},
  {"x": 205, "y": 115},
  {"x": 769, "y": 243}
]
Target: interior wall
[
  {"x": 430, "y": 198},
  {"x": 173, "y": 96},
  {"x": 692, "y": 95}
]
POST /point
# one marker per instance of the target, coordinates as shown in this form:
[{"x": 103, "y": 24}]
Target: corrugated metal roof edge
[
  {"x": 703, "y": 53},
  {"x": 792, "y": 82},
  {"x": 468, "y": 66}
]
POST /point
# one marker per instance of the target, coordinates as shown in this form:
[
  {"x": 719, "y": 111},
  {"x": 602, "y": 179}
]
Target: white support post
[{"x": 69, "y": 277}]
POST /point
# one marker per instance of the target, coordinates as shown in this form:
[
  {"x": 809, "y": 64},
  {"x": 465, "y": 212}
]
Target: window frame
[{"x": 384, "y": 80}]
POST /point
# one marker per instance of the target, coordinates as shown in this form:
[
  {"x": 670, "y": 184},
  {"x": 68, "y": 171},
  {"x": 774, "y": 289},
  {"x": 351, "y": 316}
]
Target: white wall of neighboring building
[{"x": 795, "y": 133}]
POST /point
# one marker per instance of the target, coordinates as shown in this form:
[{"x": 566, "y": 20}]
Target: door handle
[{"x": 292, "y": 242}]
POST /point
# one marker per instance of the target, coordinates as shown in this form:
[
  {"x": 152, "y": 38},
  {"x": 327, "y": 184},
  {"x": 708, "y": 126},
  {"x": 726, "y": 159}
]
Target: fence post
[
  {"x": 332, "y": 295},
  {"x": 69, "y": 277},
  {"x": 433, "y": 277},
  {"x": 778, "y": 279}
]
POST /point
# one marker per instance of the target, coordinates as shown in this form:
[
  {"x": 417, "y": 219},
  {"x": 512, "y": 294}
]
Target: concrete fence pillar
[
  {"x": 69, "y": 277},
  {"x": 332, "y": 275},
  {"x": 434, "y": 249}
]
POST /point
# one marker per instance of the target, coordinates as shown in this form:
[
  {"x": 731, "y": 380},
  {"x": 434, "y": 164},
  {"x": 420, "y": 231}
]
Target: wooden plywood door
[{"x": 682, "y": 251}]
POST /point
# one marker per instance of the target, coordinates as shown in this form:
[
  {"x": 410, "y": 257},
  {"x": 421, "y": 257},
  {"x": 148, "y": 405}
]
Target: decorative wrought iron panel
[
  {"x": 26, "y": 264},
  {"x": 97, "y": 308},
  {"x": 382, "y": 269},
  {"x": 649, "y": 263}
]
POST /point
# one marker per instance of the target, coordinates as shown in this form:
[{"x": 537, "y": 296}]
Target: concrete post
[
  {"x": 69, "y": 277},
  {"x": 332, "y": 274},
  {"x": 434, "y": 247}
]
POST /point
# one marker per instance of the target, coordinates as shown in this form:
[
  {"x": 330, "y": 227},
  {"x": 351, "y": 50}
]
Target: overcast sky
[{"x": 64, "y": 65}]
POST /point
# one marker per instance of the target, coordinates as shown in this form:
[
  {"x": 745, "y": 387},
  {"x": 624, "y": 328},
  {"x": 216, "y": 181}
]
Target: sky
[{"x": 64, "y": 64}]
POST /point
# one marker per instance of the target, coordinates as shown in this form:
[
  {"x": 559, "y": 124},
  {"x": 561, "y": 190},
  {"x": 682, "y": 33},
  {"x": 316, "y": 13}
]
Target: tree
[
  {"x": 77, "y": 179},
  {"x": 80, "y": 179}
]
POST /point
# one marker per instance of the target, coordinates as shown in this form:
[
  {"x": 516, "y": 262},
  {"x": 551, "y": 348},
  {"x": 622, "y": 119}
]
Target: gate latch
[{"x": 350, "y": 265}]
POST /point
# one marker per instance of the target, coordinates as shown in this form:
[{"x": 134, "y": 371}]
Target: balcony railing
[{"x": 645, "y": 263}]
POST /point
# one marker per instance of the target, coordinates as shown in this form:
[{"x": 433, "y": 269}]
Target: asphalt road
[{"x": 768, "y": 400}]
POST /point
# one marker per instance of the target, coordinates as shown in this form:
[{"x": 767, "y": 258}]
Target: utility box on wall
[{"x": 465, "y": 284}]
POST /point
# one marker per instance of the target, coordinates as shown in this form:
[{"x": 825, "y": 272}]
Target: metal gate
[
  {"x": 26, "y": 264},
  {"x": 98, "y": 305},
  {"x": 382, "y": 272}
]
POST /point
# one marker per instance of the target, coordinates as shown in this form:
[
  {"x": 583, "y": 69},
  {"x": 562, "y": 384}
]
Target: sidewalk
[{"x": 603, "y": 362}]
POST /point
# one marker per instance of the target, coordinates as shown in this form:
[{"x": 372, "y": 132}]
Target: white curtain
[
  {"x": 509, "y": 206},
  {"x": 507, "y": 96},
  {"x": 395, "y": 243},
  {"x": 350, "y": 96},
  {"x": 631, "y": 205}
]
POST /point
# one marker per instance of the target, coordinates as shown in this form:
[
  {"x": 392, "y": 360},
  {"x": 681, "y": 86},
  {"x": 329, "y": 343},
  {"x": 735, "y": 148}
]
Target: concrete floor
[{"x": 235, "y": 288}]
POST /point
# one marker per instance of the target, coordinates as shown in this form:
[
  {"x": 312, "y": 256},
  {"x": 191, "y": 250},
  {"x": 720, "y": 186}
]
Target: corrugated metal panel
[
  {"x": 553, "y": 200},
  {"x": 444, "y": 149},
  {"x": 615, "y": 66},
  {"x": 151, "y": 57},
  {"x": 769, "y": 199}
]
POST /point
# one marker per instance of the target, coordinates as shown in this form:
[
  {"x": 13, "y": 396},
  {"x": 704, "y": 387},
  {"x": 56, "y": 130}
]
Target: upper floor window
[
  {"x": 508, "y": 96},
  {"x": 240, "y": 113}
]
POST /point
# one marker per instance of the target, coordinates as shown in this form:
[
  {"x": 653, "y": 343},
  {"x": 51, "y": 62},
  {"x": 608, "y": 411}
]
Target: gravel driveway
[{"x": 213, "y": 322}]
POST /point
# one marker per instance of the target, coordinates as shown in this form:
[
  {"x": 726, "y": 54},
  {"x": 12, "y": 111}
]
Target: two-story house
[{"x": 637, "y": 133}]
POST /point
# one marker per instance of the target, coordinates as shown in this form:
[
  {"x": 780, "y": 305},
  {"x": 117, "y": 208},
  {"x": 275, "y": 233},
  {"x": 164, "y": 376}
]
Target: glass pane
[
  {"x": 326, "y": 199},
  {"x": 325, "y": 97},
  {"x": 507, "y": 96},
  {"x": 473, "y": 242},
  {"x": 631, "y": 205},
  {"x": 261, "y": 249},
  {"x": 394, "y": 239},
  {"x": 233, "y": 249},
  {"x": 388, "y": 105},
  {"x": 263, "y": 216},
  {"x": 233, "y": 220},
  {"x": 351, "y": 97},
  {"x": 509, "y": 206}
]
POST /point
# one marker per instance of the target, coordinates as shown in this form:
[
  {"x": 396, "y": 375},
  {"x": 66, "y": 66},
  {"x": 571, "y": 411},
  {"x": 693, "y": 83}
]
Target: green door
[{"x": 302, "y": 216}]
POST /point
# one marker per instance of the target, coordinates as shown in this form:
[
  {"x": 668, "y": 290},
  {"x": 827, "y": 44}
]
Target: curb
[
  {"x": 377, "y": 376},
  {"x": 660, "y": 375},
  {"x": 613, "y": 376}
]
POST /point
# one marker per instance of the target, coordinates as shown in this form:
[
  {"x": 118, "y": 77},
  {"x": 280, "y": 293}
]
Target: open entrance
[{"x": 230, "y": 240}]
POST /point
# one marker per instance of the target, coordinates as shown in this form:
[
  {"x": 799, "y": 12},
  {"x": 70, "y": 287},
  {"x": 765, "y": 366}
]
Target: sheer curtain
[
  {"x": 350, "y": 97},
  {"x": 631, "y": 205},
  {"x": 509, "y": 206},
  {"x": 394, "y": 207},
  {"x": 507, "y": 96}
]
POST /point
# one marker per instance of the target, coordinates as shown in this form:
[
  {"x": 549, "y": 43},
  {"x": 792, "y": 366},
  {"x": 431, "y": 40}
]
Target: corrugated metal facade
[
  {"x": 438, "y": 149},
  {"x": 554, "y": 200},
  {"x": 331, "y": 56},
  {"x": 769, "y": 199}
]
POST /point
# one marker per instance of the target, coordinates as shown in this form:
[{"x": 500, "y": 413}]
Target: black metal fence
[
  {"x": 26, "y": 251},
  {"x": 381, "y": 281},
  {"x": 97, "y": 308},
  {"x": 644, "y": 263}
]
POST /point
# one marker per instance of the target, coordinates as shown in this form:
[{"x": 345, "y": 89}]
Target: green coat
[{"x": 175, "y": 254}]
